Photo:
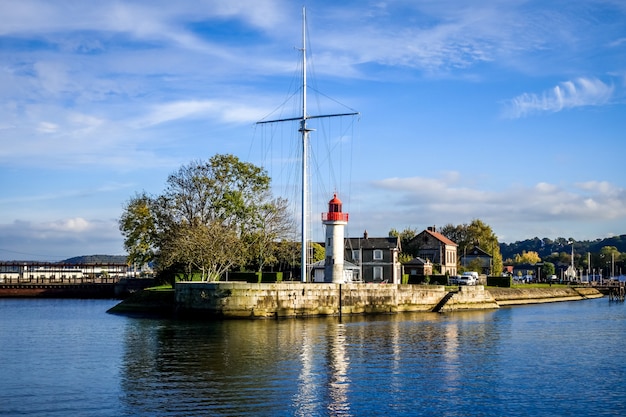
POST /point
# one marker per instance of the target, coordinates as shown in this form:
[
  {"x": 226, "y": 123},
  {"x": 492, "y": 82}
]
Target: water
[{"x": 68, "y": 357}]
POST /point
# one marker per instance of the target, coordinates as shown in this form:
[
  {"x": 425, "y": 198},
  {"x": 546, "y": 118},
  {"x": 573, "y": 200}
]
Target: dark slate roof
[
  {"x": 417, "y": 261},
  {"x": 476, "y": 251},
  {"x": 389, "y": 242}
]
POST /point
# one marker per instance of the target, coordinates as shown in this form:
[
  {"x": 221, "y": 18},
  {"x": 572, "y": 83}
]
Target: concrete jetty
[{"x": 230, "y": 300}]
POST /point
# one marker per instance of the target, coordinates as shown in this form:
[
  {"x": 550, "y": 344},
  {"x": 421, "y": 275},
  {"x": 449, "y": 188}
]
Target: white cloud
[
  {"x": 448, "y": 199},
  {"x": 75, "y": 225},
  {"x": 569, "y": 94},
  {"x": 224, "y": 111},
  {"x": 59, "y": 239}
]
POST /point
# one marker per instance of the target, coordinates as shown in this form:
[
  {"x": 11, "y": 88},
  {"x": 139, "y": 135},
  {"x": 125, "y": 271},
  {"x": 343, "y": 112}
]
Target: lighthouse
[{"x": 334, "y": 220}]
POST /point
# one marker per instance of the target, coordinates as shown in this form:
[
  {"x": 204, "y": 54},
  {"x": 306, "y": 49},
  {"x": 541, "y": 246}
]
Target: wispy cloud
[
  {"x": 450, "y": 199},
  {"x": 58, "y": 239},
  {"x": 224, "y": 111},
  {"x": 580, "y": 92}
]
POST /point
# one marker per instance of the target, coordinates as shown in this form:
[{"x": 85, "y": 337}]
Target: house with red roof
[{"x": 438, "y": 249}]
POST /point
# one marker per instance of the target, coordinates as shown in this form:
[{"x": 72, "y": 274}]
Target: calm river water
[{"x": 71, "y": 358}]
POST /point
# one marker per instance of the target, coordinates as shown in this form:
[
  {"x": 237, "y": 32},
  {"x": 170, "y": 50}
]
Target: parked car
[
  {"x": 454, "y": 280},
  {"x": 553, "y": 278},
  {"x": 468, "y": 279}
]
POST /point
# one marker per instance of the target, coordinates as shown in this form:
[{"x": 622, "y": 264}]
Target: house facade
[
  {"x": 376, "y": 257},
  {"x": 438, "y": 249},
  {"x": 476, "y": 259},
  {"x": 418, "y": 266}
]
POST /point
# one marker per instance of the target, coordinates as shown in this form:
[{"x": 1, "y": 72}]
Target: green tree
[
  {"x": 206, "y": 219},
  {"x": 476, "y": 233},
  {"x": 270, "y": 225},
  {"x": 547, "y": 269},
  {"x": 609, "y": 256},
  {"x": 409, "y": 250},
  {"x": 138, "y": 228}
]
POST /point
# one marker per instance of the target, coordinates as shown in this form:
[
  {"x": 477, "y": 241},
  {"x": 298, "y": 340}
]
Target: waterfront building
[
  {"x": 377, "y": 257},
  {"x": 438, "y": 249},
  {"x": 477, "y": 258}
]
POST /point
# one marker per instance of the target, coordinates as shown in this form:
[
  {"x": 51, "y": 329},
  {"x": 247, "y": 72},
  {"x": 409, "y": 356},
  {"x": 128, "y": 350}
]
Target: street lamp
[{"x": 571, "y": 242}]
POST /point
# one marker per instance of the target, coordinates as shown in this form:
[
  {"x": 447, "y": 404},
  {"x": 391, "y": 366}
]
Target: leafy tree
[
  {"x": 459, "y": 234},
  {"x": 476, "y": 233},
  {"x": 211, "y": 249},
  {"x": 406, "y": 236},
  {"x": 530, "y": 257},
  {"x": 139, "y": 230},
  {"x": 547, "y": 269},
  {"x": 271, "y": 223},
  {"x": 207, "y": 218}
]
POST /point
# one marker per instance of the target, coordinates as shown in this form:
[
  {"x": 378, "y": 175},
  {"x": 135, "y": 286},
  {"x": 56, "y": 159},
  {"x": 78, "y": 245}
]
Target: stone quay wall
[
  {"x": 470, "y": 297},
  {"x": 248, "y": 300},
  {"x": 521, "y": 296}
]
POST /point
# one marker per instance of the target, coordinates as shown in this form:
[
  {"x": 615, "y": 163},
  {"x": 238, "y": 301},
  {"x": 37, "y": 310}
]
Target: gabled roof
[
  {"x": 437, "y": 236},
  {"x": 389, "y": 242},
  {"x": 476, "y": 251},
  {"x": 417, "y": 261}
]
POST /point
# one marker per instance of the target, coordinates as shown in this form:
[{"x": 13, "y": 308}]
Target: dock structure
[
  {"x": 30, "y": 272},
  {"x": 28, "y": 279},
  {"x": 617, "y": 292}
]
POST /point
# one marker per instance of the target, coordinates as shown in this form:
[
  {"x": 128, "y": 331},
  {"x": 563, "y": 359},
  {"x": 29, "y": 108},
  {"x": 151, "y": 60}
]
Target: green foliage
[
  {"x": 404, "y": 257},
  {"x": 558, "y": 251},
  {"x": 530, "y": 257},
  {"x": 319, "y": 253},
  {"x": 212, "y": 216},
  {"x": 138, "y": 227},
  {"x": 408, "y": 249},
  {"x": 477, "y": 233},
  {"x": 547, "y": 269}
]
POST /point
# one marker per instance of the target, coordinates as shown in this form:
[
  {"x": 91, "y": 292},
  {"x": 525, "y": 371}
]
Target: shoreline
[{"x": 252, "y": 301}]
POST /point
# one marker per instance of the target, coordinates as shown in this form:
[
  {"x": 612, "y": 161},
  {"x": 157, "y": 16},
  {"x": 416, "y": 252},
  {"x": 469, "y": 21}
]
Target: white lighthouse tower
[{"x": 334, "y": 220}]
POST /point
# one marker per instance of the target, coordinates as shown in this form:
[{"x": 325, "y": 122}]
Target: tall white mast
[
  {"x": 305, "y": 144},
  {"x": 304, "y": 130}
]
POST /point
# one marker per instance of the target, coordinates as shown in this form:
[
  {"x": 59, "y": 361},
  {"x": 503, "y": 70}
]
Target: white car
[{"x": 467, "y": 280}]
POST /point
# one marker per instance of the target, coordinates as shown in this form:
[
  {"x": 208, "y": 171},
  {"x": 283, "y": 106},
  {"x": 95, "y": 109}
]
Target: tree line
[{"x": 213, "y": 216}]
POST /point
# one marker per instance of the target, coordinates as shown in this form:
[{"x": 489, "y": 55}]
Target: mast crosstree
[{"x": 304, "y": 132}]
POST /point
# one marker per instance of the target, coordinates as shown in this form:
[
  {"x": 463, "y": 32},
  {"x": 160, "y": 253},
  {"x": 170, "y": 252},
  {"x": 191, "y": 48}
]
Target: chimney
[{"x": 365, "y": 235}]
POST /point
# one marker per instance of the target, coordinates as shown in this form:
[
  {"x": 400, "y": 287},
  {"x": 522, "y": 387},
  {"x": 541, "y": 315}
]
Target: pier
[{"x": 64, "y": 280}]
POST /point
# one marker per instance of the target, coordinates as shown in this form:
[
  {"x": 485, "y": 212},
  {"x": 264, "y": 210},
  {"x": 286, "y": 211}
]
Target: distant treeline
[
  {"x": 96, "y": 259},
  {"x": 546, "y": 247}
]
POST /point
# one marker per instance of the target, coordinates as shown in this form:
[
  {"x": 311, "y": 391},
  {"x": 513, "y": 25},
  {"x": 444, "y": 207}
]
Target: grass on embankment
[{"x": 153, "y": 301}]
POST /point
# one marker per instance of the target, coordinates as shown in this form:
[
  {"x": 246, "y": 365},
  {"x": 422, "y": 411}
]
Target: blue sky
[{"x": 512, "y": 112}]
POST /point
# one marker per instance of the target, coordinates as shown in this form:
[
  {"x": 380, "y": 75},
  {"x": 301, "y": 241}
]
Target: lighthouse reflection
[
  {"x": 323, "y": 383},
  {"x": 310, "y": 367}
]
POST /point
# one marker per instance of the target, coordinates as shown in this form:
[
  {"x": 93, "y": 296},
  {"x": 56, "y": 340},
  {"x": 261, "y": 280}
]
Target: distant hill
[
  {"x": 96, "y": 259},
  {"x": 546, "y": 247}
]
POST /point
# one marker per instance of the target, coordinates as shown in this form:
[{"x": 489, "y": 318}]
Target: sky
[{"x": 508, "y": 111}]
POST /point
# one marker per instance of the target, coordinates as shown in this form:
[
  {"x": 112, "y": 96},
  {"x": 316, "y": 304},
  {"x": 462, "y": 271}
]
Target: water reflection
[
  {"x": 439, "y": 364},
  {"x": 68, "y": 357}
]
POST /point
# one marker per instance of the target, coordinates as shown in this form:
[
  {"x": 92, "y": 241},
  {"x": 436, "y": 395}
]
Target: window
[
  {"x": 378, "y": 273},
  {"x": 356, "y": 255},
  {"x": 378, "y": 255}
]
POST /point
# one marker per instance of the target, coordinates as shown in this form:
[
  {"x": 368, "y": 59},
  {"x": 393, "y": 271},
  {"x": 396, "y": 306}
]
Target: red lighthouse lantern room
[{"x": 334, "y": 211}]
